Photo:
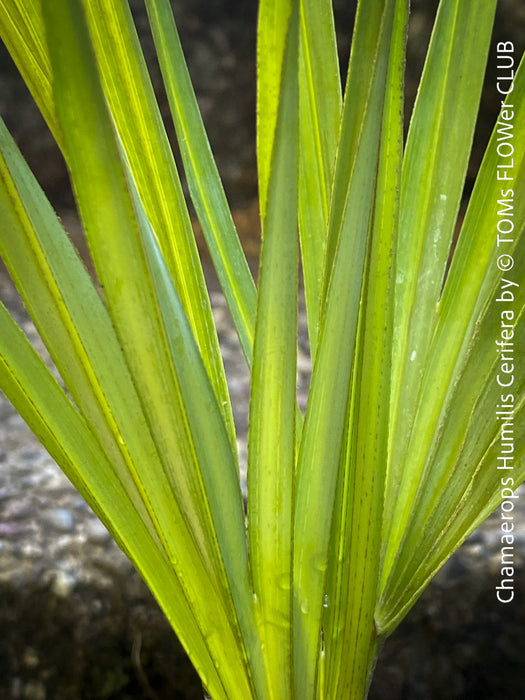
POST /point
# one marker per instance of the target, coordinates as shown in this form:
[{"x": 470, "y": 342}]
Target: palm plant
[{"x": 353, "y": 507}]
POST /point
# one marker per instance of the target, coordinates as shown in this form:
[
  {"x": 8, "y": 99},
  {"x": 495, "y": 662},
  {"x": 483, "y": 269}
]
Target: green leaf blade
[
  {"x": 22, "y": 30},
  {"x": 326, "y": 428},
  {"x": 44, "y": 406},
  {"x": 130, "y": 288},
  {"x": 132, "y": 103},
  {"x": 320, "y": 115},
  {"x": 458, "y": 427},
  {"x": 271, "y": 443},
  {"x": 77, "y": 331},
  {"x": 203, "y": 178},
  {"x": 432, "y": 182},
  {"x": 350, "y": 634},
  {"x": 272, "y": 24}
]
